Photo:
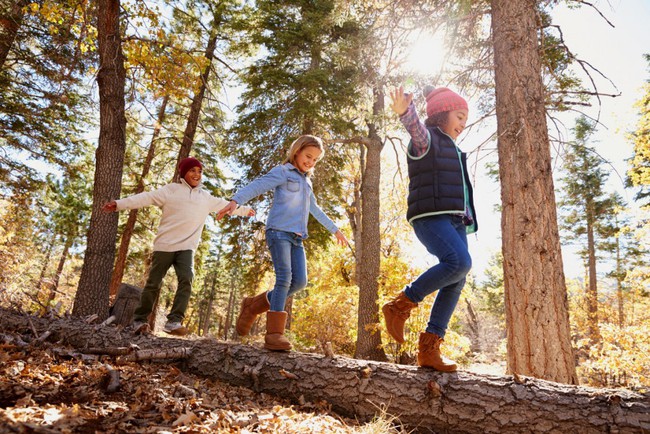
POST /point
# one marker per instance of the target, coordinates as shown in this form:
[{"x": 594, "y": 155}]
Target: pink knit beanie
[
  {"x": 187, "y": 163},
  {"x": 443, "y": 100}
]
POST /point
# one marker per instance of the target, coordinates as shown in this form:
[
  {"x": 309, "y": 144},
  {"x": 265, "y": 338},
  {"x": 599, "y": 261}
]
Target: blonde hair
[{"x": 301, "y": 143}]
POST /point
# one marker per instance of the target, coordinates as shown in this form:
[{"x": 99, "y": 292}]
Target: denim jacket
[{"x": 293, "y": 200}]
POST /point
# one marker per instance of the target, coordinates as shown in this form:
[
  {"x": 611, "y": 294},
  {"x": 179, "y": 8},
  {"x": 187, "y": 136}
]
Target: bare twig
[{"x": 154, "y": 354}]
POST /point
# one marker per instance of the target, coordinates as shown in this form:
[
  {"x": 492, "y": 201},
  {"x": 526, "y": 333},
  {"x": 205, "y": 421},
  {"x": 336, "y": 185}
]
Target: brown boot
[
  {"x": 250, "y": 308},
  {"x": 274, "y": 339},
  {"x": 396, "y": 313},
  {"x": 429, "y": 354}
]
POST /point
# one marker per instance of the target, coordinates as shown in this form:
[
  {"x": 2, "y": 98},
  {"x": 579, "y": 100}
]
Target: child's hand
[
  {"x": 228, "y": 209},
  {"x": 251, "y": 213},
  {"x": 400, "y": 101},
  {"x": 340, "y": 238},
  {"x": 110, "y": 206}
]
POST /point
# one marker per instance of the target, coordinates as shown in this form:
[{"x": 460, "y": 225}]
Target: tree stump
[{"x": 127, "y": 300}]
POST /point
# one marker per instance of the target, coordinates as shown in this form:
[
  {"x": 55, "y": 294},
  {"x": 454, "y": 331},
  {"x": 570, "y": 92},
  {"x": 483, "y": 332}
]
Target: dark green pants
[{"x": 183, "y": 262}]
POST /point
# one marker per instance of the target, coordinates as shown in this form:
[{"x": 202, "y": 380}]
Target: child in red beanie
[
  {"x": 185, "y": 206},
  {"x": 441, "y": 211}
]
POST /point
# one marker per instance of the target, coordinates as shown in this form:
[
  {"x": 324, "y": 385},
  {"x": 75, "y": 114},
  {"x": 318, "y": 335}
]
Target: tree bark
[
  {"x": 46, "y": 262},
  {"x": 195, "y": 108},
  {"x": 230, "y": 314},
  {"x": 537, "y": 319},
  {"x": 592, "y": 288},
  {"x": 424, "y": 400},
  {"x": 120, "y": 262},
  {"x": 11, "y": 17},
  {"x": 59, "y": 268},
  {"x": 93, "y": 292},
  {"x": 619, "y": 283},
  {"x": 127, "y": 300},
  {"x": 368, "y": 331}
]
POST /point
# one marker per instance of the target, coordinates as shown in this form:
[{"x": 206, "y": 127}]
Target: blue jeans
[
  {"x": 444, "y": 236},
  {"x": 290, "y": 266}
]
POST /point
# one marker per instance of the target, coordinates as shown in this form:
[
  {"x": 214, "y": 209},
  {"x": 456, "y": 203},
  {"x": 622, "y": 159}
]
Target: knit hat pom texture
[
  {"x": 187, "y": 163},
  {"x": 443, "y": 99}
]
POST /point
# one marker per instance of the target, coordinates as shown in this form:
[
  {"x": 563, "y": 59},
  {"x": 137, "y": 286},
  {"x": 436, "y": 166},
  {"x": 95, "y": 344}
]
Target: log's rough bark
[
  {"x": 424, "y": 400},
  {"x": 126, "y": 302},
  {"x": 537, "y": 318}
]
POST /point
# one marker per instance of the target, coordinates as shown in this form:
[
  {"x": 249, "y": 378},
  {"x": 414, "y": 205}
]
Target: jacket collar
[{"x": 184, "y": 182}]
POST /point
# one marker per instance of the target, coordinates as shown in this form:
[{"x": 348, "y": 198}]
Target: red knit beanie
[
  {"x": 443, "y": 100},
  {"x": 187, "y": 163}
]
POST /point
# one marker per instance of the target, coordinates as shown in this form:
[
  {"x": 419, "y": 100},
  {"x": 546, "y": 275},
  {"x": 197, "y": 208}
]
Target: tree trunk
[
  {"x": 59, "y": 268},
  {"x": 619, "y": 283},
  {"x": 537, "y": 319},
  {"x": 205, "y": 318},
  {"x": 424, "y": 400},
  {"x": 46, "y": 263},
  {"x": 230, "y": 312},
  {"x": 11, "y": 17},
  {"x": 368, "y": 331},
  {"x": 592, "y": 288},
  {"x": 120, "y": 262},
  {"x": 195, "y": 108},
  {"x": 93, "y": 291}
]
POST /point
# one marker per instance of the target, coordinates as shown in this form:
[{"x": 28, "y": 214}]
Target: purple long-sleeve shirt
[{"x": 417, "y": 131}]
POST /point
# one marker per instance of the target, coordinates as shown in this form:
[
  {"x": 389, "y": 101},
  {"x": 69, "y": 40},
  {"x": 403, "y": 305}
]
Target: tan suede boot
[
  {"x": 429, "y": 354},
  {"x": 274, "y": 339},
  {"x": 396, "y": 313},
  {"x": 250, "y": 308}
]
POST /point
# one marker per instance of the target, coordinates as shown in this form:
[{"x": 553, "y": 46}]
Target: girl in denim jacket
[{"x": 286, "y": 228}]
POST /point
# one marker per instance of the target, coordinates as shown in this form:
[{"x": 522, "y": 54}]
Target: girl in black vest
[{"x": 441, "y": 211}]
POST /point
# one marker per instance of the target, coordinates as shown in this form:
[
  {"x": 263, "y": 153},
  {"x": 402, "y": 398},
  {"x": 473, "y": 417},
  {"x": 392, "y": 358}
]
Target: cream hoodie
[{"x": 184, "y": 210}]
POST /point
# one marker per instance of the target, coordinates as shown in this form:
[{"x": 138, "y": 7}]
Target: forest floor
[{"x": 49, "y": 388}]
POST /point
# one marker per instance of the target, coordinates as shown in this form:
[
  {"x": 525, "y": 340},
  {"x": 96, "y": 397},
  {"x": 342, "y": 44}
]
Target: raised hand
[{"x": 400, "y": 101}]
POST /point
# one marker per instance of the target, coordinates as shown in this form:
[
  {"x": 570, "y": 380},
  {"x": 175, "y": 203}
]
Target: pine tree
[
  {"x": 303, "y": 82},
  {"x": 539, "y": 340},
  {"x": 588, "y": 206},
  {"x": 639, "y": 172},
  {"x": 45, "y": 55},
  {"x": 93, "y": 292}
]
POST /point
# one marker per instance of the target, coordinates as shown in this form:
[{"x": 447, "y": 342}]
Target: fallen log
[{"x": 422, "y": 399}]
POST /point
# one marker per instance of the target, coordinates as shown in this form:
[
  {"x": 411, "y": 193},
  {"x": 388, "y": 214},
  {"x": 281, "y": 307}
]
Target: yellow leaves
[
  {"x": 69, "y": 16},
  {"x": 59, "y": 369},
  {"x": 620, "y": 359}
]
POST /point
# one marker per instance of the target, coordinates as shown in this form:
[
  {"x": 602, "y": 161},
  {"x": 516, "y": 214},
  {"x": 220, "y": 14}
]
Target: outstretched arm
[
  {"x": 340, "y": 238},
  {"x": 110, "y": 206},
  {"x": 228, "y": 209}
]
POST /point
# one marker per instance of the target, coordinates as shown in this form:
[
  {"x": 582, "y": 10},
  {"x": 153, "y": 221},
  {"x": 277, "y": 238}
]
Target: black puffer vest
[{"x": 438, "y": 180}]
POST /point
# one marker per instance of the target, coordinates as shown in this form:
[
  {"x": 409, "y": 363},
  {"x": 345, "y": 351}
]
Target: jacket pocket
[{"x": 293, "y": 186}]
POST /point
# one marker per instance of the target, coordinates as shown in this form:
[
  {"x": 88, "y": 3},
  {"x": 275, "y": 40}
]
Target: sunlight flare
[{"x": 427, "y": 53}]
